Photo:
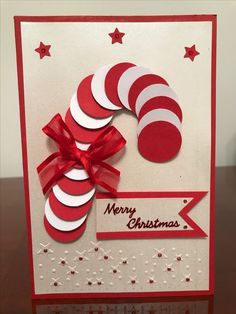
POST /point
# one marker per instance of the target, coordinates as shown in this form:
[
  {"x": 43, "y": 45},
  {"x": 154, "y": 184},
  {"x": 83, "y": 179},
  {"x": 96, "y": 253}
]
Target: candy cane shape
[{"x": 98, "y": 97}]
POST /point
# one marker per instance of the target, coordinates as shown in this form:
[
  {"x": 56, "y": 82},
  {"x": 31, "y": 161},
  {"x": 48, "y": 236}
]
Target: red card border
[{"x": 165, "y": 18}]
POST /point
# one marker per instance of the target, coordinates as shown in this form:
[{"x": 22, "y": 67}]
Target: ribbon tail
[
  {"x": 107, "y": 177},
  {"x": 51, "y": 170}
]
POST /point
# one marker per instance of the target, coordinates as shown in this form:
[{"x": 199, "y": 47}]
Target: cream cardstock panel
[{"x": 78, "y": 50}]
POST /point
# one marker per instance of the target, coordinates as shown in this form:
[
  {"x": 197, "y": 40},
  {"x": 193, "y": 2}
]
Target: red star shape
[
  {"x": 116, "y": 36},
  {"x": 191, "y": 52},
  {"x": 43, "y": 50}
]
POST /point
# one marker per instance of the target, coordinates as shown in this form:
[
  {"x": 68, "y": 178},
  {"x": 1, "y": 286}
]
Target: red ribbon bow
[{"x": 108, "y": 143}]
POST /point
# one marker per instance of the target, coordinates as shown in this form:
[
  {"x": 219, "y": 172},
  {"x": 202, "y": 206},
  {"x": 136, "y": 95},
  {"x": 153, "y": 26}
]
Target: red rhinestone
[
  {"x": 43, "y": 50},
  {"x": 116, "y": 36}
]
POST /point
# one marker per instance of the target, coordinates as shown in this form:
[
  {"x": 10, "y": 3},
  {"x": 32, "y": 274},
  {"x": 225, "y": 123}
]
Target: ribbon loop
[{"x": 108, "y": 143}]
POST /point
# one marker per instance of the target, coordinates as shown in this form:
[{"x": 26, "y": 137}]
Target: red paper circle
[
  {"x": 112, "y": 79},
  {"x": 66, "y": 212},
  {"x": 75, "y": 187},
  {"x": 141, "y": 83},
  {"x": 80, "y": 133},
  {"x": 64, "y": 236},
  {"x": 163, "y": 103},
  {"x": 159, "y": 141},
  {"x": 87, "y": 103}
]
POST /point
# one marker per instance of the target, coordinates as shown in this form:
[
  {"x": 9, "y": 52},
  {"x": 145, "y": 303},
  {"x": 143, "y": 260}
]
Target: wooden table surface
[{"x": 15, "y": 287}]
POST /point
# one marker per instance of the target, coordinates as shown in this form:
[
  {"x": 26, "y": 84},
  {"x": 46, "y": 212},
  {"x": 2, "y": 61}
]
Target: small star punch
[
  {"x": 191, "y": 52},
  {"x": 43, "y": 50},
  {"x": 116, "y": 36}
]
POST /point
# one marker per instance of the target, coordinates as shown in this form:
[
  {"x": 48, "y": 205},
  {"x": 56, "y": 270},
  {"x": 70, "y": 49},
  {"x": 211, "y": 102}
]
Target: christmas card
[{"x": 118, "y": 139}]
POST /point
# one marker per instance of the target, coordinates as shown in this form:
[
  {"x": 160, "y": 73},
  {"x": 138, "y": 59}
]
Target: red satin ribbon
[{"x": 108, "y": 143}]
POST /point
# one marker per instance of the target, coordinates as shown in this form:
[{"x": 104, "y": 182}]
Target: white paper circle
[
  {"x": 60, "y": 224},
  {"x": 82, "y": 146},
  {"x": 83, "y": 119},
  {"x": 77, "y": 174},
  {"x": 159, "y": 115},
  {"x": 72, "y": 200},
  {"x": 152, "y": 91},
  {"x": 126, "y": 81},
  {"x": 98, "y": 88}
]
